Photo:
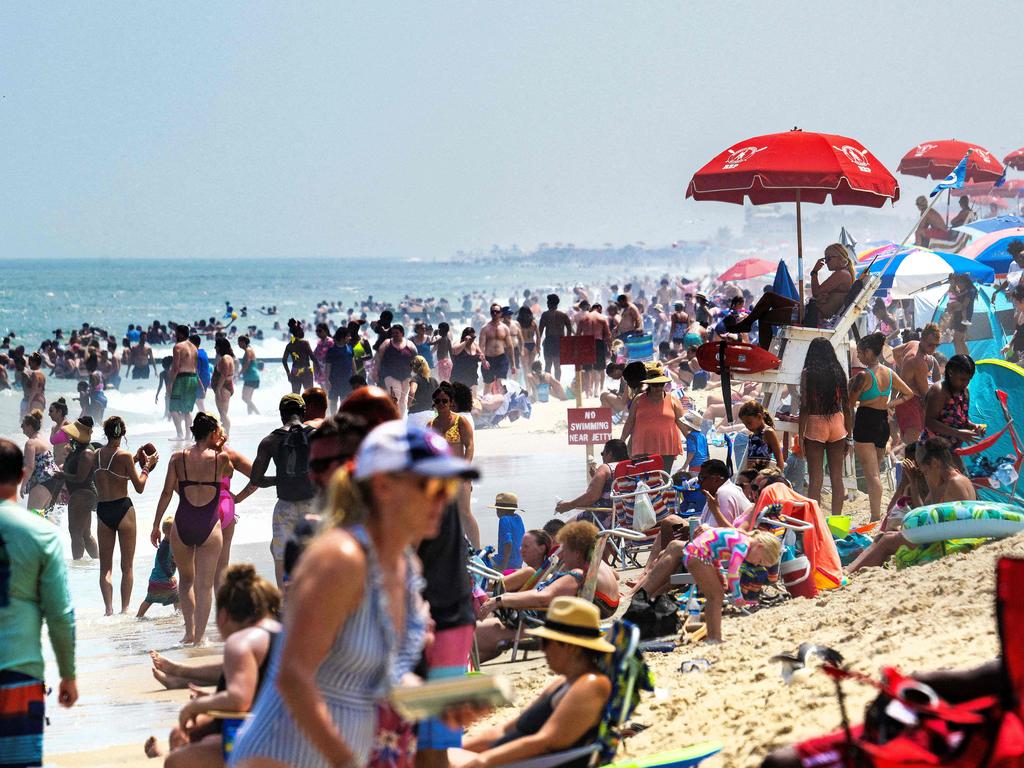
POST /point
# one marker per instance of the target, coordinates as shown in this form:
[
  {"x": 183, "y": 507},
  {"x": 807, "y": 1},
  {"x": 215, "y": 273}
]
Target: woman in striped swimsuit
[{"x": 354, "y": 615}]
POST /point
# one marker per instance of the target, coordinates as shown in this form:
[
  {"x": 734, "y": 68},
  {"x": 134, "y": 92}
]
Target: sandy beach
[{"x": 929, "y": 616}]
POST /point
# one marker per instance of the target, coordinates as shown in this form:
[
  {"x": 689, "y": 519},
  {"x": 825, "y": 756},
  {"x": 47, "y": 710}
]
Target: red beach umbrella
[
  {"x": 744, "y": 269},
  {"x": 794, "y": 167},
  {"x": 935, "y": 159},
  {"x": 1015, "y": 159},
  {"x": 1010, "y": 188}
]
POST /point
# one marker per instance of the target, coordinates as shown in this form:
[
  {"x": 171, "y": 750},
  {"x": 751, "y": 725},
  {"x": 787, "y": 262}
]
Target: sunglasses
[
  {"x": 323, "y": 463},
  {"x": 441, "y": 401},
  {"x": 438, "y": 487}
]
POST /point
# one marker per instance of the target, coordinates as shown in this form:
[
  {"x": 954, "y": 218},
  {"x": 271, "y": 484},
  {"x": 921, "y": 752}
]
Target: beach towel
[{"x": 820, "y": 548}]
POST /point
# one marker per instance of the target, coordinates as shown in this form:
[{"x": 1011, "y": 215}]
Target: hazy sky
[{"x": 419, "y": 128}]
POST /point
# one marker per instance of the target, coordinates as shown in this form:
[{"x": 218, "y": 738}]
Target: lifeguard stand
[{"x": 790, "y": 346}]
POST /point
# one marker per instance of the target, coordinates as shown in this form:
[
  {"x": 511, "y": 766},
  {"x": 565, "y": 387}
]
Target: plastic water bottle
[
  {"x": 1005, "y": 475},
  {"x": 692, "y": 609},
  {"x": 690, "y": 485}
]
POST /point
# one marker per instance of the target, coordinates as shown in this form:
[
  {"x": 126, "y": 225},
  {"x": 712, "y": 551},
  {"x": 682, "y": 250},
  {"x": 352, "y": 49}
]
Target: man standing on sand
[
  {"x": 182, "y": 381},
  {"x": 140, "y": 358},
  {"x": 553, "y": 325},
  {"x": 33, "y": 587},
  {"x": 629, "y": 317},
  {"x": 517, "y": 337},
  {"x": 496, "y": 342},
  {"x": 590, "y": 323},
  {"x": 914, "y": 367}
]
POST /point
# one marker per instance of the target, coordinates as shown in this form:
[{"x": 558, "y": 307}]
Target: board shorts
[
  {"x": 910, "y": 418},
  {"x": 22, "y": 715},
  {"x": 287, "y": 514},
  {"x": 140, "y": 372},
  {"x": 871, "y": 425},
  {"x": 552, "y": 348},
  {"x": 447, "y": 657},
  {"x": 183, "y": 393},
  {"x": 498, "y": 368}
]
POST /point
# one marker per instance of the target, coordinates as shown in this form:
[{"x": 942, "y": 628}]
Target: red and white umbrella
[
  {"x": 935, "y": 159},
  {"x": 1015, "y": 159},
  {"x": 795, "y": 167},
  {"x": 745, "y": 269}
]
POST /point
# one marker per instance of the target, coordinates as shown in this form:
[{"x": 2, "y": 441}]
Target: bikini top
[
  {"x": 452, "y": 435},
  {"x": 873, "y": 391}
]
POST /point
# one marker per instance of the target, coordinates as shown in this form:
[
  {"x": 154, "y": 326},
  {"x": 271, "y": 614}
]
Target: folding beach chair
[
  {"x": 525, "y": 619},
  {"x": 625, "y": 481},
  {"x": 630, "y": 676}
]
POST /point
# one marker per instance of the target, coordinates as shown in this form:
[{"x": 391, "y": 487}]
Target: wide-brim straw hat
[
  {"x": 79, "y": 432},
  {"x": 656, "y": 374},
  {"x": 574, "y": 621},
  {"x": 505, "y": 501}
]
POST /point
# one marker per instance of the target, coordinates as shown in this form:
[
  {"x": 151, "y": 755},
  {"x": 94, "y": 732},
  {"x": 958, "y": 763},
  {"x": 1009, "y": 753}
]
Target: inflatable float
[{"x": 963, "y": 520}]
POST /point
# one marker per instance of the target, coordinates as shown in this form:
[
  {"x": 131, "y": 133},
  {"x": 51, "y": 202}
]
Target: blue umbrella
[
  {"x": 914, "y": 268},
  {"x": 996, "y": 223},
  {"x": 783, "y": 284}
]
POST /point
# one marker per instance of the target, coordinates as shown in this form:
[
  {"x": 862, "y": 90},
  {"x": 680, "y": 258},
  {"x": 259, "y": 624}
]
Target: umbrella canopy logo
[
  {"x": 922, "y": 149},
  {"x": 858, "y": 157},
  {"x": 984, "y": 154},
  {"x": 738, "y": 156}
]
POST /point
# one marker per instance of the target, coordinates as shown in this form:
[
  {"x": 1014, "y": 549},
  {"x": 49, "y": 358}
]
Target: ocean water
[{"x": 37, "y": 296}]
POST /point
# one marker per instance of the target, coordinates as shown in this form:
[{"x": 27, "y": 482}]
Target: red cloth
[{"x": 818, "y": 544}]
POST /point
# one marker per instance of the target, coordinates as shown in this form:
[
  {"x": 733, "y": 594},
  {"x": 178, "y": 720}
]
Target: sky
[{"x": 416, "y": 129}]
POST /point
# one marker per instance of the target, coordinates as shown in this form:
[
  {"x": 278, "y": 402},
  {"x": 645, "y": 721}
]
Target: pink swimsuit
[{"x": 226, "y": 506}]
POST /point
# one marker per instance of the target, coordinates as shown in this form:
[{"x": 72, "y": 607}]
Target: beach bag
[
  {"x": 644, "y": 518},
  {"x": 654, "y": 618}
]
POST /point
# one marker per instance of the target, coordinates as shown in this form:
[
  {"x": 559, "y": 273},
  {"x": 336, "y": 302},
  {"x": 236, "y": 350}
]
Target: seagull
[{"x": 794, "y": 662}]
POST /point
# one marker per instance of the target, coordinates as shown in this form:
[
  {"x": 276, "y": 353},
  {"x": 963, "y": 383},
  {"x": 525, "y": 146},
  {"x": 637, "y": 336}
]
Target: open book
[{"x": 417, "y": 702}]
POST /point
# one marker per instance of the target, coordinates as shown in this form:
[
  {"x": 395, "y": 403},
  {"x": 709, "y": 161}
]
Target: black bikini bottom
[{"x": 111, "y": 513}]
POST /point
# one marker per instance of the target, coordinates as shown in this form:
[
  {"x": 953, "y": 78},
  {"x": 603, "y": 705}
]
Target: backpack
[
  {"x": 654, "y": 618},
  {"x": 292, "y": 462}
]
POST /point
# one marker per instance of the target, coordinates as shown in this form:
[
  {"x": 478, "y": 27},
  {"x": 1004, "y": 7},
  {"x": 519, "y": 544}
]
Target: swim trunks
[
  {"x": 910, "y": 418},
  {"x": 600, "y": 356},
  {"x": 22, "y": 714},
  {"x": 498, "y": 368},
  {"x": 140, "y": 372},
  {"x": 287, "y": 514},
  {"x": 183, "y": 394}
]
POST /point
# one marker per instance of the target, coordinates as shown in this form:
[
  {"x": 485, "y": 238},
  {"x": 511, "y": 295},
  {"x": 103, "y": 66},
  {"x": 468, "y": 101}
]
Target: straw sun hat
[
  {"x": 80, "y": 431},
  {"x": 656, "y": 374},
  {"x": 505, "y": 501},
  {"x": 574, "y": 621}
]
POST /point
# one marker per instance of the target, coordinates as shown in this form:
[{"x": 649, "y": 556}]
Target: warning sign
[{"x": 590, "y": 426}]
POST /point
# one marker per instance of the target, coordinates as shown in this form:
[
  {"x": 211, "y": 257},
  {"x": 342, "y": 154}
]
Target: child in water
[
  {"x": 163, "y": 588},
  {"x": 165, "y": 363}
]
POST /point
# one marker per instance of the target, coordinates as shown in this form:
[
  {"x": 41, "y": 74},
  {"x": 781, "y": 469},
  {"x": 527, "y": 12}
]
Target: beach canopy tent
[
  {"x": 988, "y": 226},
  {"x": 991, "y": 249},
  {"x": 991, "y": 327},
  {"x": 745, "y": 269},
  {"x": 909, "y": 269},
  {"x": 991, "y": 377},
  {"x": 936, "y": 159},
  {"x": 796, "y": 167}
]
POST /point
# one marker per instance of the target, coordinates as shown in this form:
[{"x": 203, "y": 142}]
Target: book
[{"x": 418, "y": 702}]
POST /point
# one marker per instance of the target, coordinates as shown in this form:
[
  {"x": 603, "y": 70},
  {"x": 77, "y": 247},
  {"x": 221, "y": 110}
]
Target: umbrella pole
[
  {"x": 800, "y": 256},
  {"x": 949, "y": 192}
]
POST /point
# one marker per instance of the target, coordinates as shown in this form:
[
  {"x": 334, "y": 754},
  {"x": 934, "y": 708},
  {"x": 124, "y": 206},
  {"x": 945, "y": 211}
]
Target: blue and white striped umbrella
[{"x": 914, "y": 268}]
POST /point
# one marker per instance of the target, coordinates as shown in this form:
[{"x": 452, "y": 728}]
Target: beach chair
[
  {"x": 627, "y": 477},
  {"x": 630, "y": 676},
  {"x": 526, "y": 619}
]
